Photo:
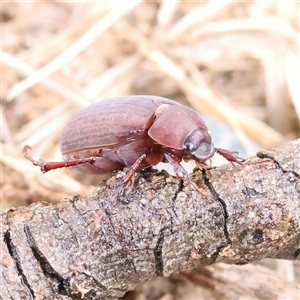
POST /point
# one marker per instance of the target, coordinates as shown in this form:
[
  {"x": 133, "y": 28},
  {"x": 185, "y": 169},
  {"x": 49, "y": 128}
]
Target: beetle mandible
[{"x": 136, "y": 131}]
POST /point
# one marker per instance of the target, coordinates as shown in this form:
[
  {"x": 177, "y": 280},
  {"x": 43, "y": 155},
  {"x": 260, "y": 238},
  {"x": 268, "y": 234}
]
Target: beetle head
[
  {"x": 179, "y": 127},
  {"x": 199, "y": 144}
]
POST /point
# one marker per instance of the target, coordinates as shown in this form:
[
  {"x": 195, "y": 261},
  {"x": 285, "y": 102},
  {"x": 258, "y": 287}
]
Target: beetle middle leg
[
  {"x": 132, "y": 170},
  {"x": 181, "y": 172},
  {"x": 132, "y": 154}
]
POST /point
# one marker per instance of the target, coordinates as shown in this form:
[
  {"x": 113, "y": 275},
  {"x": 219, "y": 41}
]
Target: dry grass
[{"x": 236, "y": 61}]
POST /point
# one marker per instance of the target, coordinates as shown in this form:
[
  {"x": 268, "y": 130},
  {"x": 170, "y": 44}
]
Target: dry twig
[{"x": 157, "y": 227}]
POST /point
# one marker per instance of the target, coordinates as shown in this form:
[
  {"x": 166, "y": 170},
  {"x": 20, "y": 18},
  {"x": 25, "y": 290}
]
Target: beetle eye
[{"x": 189, "y": 146}]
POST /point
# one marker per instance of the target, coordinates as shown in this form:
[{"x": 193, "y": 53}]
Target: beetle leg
[
  {"x": 231, "y": 156},
  {"x": 48, "y": 166},
  {"x": 181, "y": 172},
  {"x": 132, "y": 170}
]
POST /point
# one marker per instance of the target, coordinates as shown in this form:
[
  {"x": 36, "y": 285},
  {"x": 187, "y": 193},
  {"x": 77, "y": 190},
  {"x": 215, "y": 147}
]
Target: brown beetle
[{"x": 136, "y": 131}]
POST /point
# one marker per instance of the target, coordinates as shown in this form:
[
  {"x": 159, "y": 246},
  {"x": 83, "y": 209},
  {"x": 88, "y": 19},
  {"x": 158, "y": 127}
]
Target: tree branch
[{"x": 102, "y": 245}]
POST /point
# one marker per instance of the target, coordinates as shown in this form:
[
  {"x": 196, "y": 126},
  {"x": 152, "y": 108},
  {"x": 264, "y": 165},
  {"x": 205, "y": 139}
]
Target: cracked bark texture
[{"x": 102, "y": 245}]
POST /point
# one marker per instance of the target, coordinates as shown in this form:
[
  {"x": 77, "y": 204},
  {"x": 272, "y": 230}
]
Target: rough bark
[{"x": 102, "y": 245}]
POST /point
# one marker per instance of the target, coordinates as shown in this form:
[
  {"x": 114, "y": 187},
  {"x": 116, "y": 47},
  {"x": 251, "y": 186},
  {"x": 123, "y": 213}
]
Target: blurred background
[{"x": 236, "y": 63}]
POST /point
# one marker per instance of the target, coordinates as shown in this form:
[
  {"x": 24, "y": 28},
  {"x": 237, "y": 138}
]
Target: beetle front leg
[
  {"x": 181, "y": 172},
  {"x": 231, "y": 156}
]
